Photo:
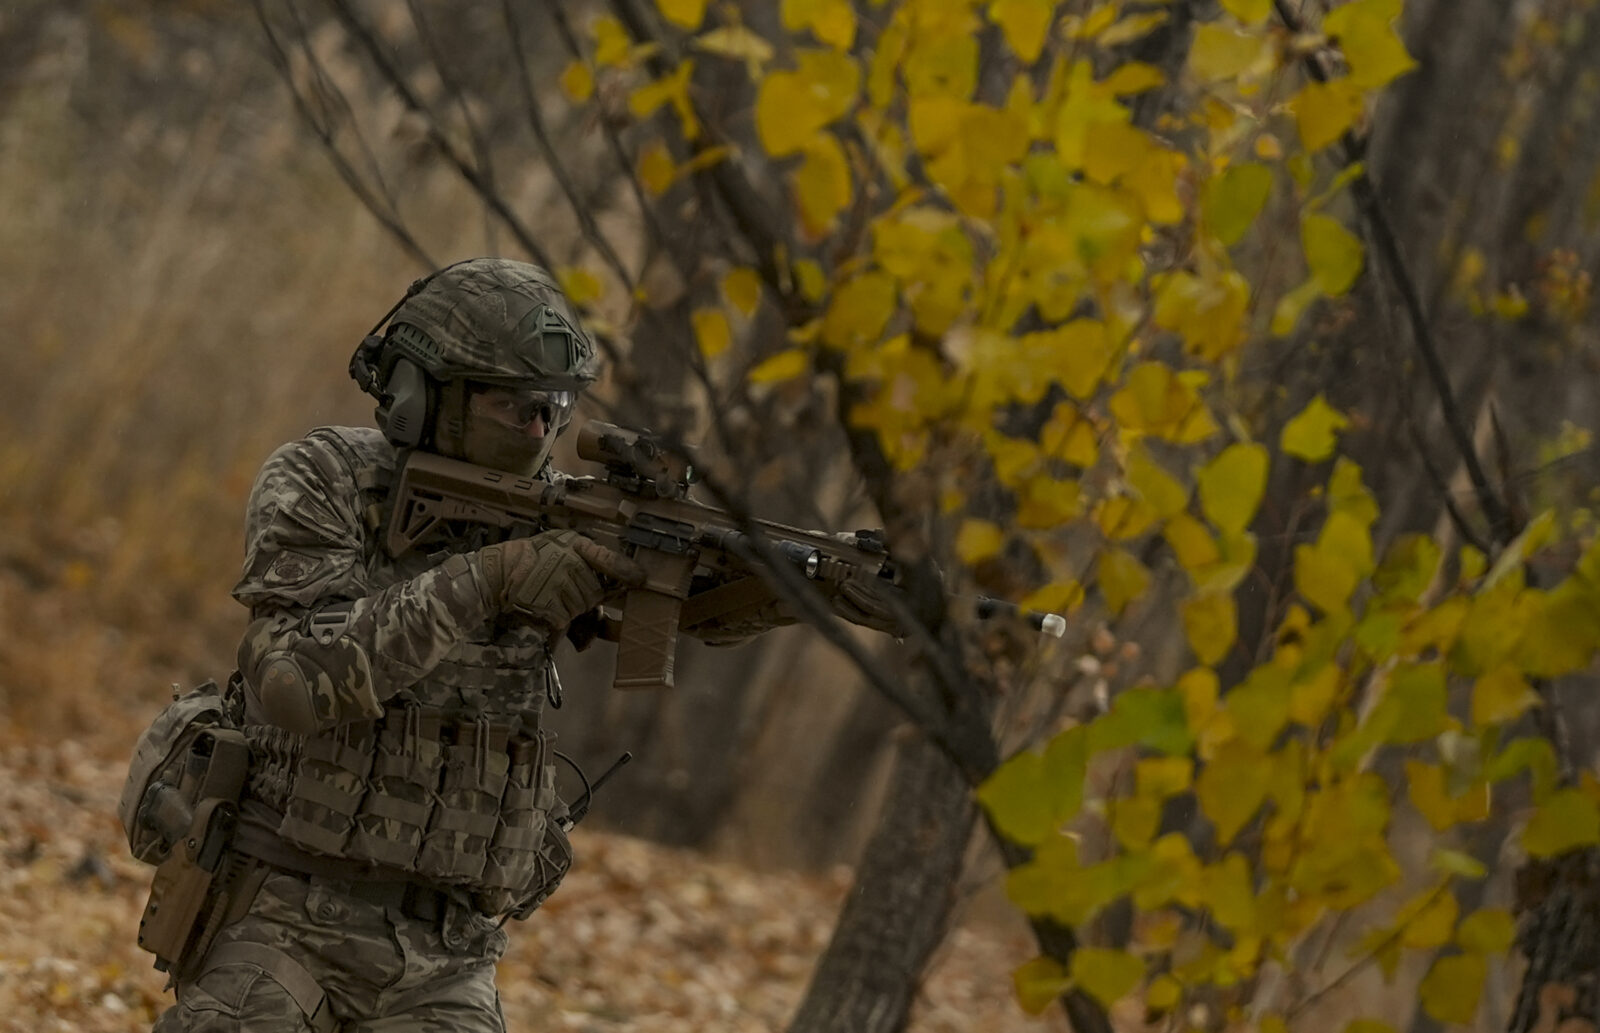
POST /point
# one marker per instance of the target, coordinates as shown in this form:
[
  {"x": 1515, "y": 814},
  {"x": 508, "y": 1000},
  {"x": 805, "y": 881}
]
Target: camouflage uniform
[
  {"x": 379, "y": 946},
  {"x": 401, "y": 798}
]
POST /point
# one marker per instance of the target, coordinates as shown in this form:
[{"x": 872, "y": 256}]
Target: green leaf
[
  {"x": 1034, "y": 793},
  {"x": 1312, "y": 434},
  {"x": 1231, "y": 486},
  {"x": 1452, "y": 987},
  {"x": 1334, "y": 254},
  {"x": 1566, "y": 820},
  {"x": 1154, "y": 718},
  {"x": 1234, "y": 198},
  {"x": 1107, "y": 975}
]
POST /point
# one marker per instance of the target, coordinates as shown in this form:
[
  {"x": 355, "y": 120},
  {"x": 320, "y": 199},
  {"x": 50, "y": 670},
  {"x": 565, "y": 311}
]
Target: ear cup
[{"x": 407, "y": 416}]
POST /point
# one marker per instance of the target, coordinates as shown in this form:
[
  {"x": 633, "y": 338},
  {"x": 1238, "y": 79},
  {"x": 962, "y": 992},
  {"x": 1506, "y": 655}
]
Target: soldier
[{"x": 401, "y": 801}]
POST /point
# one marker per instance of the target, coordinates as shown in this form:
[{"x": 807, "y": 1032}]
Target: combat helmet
[{"x": 483, "y": 322}]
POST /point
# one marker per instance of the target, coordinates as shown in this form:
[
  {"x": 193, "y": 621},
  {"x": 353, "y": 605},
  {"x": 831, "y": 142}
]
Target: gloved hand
[
  {"x": 861, "y": 602},
  {"x": 554, "y": 576}
]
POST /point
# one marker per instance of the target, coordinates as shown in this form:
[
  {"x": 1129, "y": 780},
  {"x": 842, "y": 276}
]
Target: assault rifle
[{"x": 700, "y": 563}]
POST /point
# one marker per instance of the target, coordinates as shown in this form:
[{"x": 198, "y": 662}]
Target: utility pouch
[
  {"x": 406, "y": 772},
  {"x": 188, "y": 895},
  {"x": 513, "y": 867},
  {"x": 328, "y": 788},
  {"x": 455, "y": 847}
]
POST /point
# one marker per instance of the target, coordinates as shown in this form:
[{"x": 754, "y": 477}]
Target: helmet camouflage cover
[{"x": 495, "y": 320}]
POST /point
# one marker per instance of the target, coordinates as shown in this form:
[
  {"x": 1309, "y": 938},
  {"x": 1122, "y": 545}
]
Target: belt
[
  {"x": 353, "y": 878},
  {"x": 414, "y": 900}
]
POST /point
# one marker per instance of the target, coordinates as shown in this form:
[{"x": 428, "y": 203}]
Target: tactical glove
[{"x": 552, "y": 577}]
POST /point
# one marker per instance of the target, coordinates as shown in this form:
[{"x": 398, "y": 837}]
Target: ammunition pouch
[{"x": 468, "y": 803}]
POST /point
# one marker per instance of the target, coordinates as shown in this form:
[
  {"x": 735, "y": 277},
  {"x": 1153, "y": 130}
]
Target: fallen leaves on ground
[{"x": 640, "y": 938}]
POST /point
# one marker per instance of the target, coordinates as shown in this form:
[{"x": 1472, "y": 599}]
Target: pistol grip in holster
[{"x": 191, "y": 886}]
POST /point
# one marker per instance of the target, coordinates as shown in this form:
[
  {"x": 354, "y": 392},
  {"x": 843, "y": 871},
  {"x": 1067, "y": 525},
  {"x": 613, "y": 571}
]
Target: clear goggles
[{"x": 518, "y": 408}]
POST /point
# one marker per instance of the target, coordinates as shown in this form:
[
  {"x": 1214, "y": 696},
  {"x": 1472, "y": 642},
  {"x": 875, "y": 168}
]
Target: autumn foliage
[{"x": 1045, "y": 274}]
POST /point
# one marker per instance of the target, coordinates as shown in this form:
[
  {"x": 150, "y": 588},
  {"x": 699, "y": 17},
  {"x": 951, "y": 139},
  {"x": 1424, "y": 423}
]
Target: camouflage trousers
[{"x": 353, "y": 967}]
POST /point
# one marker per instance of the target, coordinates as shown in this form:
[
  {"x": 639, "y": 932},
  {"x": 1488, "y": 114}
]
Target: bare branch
[
  {"x": 1370, "y": 205},
  {"x": 530, "y": 103},
  {"x": 387, "y": 216}
]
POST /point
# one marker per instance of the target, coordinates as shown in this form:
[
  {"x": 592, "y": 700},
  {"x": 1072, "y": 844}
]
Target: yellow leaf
[
  {"x": 1049, "y": 502},
  {"x": 978, "y": 540},
  {"x": 1222, "y": 52},
  {"x": 1452, "y": 987},
  {"x": 1566, "y": 820},
  {"x": 1024, "y": 23},
  {"x": 686, "y": 14},
  {"x": 1161, "y": 777},
  {"x": 1311, "y": 435},
  {"x": 1323, "y": 578},
  {"x": 1365, "y": 30},
  {"x": 1293, "y": 305},
  {"x": 1311, "y": 698},
  {"x": 792, "y": 106},
  {"x": 670, "y": 89},
  {"x": 711, "y": 331},
  {"x": 1425, "y": 787},
  {"x": 1056, "y": 597},
  {"x": 1107, "y": 975},
  {"x": 742, "y": 288},
  {"x": 1251, "y": 12},
  {"x": 1121, "y": 578},
  {"x": 859, "y": 311},
  {"x": 1155, "y": 485},
  {"x": 1122, "y": 517},
  {"x": 1429, "y": 920},
  {"x": 785, "y": 365},
  {"x": 1454, "y": 862},
  {"x": 656, "y": 170},
  {"x": 1234, "y": 199},
  {"x": 1038, "y": 983},
  {"x": 1499, "y": 695},
  {"x": 831, "y": 21},
  {"x": 1230, "y": 790},
  {"x": 1334, "y": 254},
  {"x": 811, "y": 280},
  {"x": 1135, "y": 26},
  {"x": 581, "y": 287},
  {"x": 822, "y": 184},
  {"x": 611, "y": 43},
  {"x": 1208, "y": 310},
  {"x": 737, "y": 42},
  {"x": 1191, "y": 542},
  {"x": 1324, "y": 112},
  {"x": 1164, "y": 994},
  {"x": 1132, "y": 77},
  {"x": 1084, "y": 350},
  {"x": 577, "y": 81},
  {"x": 1487, "y": 931},
  {"x": 1231, "y": 486},
  {"x": 1210, "y": 622}
]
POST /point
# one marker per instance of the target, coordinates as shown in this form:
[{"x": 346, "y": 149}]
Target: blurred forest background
[{"x": 185, "y": 274}]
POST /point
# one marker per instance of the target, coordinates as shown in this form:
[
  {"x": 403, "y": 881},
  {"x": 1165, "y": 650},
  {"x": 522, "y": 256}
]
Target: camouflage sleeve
[{"x": 325, "y": 648}]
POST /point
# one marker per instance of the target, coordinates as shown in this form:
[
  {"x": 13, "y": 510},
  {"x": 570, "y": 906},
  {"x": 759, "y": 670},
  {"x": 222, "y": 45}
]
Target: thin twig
[
  {"x": 558, "y": 168},
  {"x": 1365, "y": 192}
]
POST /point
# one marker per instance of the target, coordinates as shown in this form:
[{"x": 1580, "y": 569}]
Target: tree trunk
[{"x": 899, "y": 909}]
